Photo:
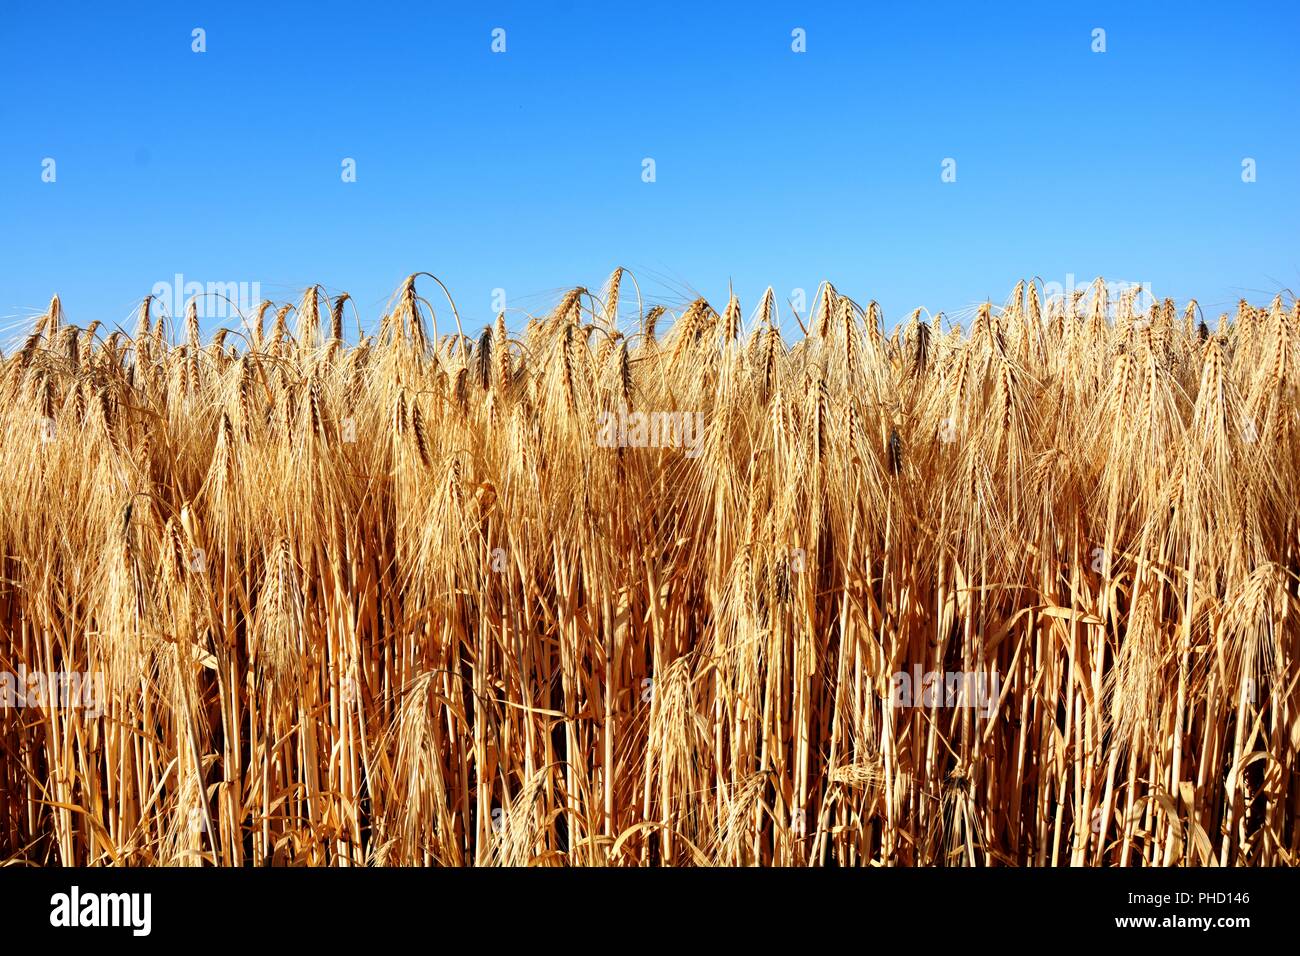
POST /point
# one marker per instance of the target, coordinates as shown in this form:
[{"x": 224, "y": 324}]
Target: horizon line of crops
[{"x": 392, "y": 602}]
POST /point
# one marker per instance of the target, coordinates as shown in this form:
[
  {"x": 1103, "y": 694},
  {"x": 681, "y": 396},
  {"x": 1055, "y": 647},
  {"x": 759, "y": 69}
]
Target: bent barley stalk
[{"x": 397, "y": 602}]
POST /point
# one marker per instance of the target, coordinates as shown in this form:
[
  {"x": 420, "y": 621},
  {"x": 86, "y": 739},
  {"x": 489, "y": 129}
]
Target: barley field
[{"x": 637, "y": 586}]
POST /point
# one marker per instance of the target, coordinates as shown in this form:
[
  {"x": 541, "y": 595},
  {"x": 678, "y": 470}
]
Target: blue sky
[{"x": 522, "y": 171}]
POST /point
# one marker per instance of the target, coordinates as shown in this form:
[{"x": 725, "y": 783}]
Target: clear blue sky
[{"x": 523, "y": 170}]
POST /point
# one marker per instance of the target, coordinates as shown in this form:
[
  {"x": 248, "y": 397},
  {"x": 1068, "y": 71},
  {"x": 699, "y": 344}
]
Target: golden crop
[{"x": 393, "y": 602}]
